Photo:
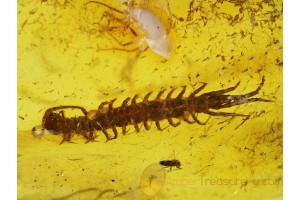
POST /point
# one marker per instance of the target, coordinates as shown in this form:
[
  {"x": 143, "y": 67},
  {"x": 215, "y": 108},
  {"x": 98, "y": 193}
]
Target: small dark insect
[
  {"x": 171, "y": 163},
  {"x": 21, "y": 117},
  {"x": 109, "y": 117}
]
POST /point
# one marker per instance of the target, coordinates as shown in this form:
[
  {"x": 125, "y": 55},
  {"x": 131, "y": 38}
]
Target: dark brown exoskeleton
[
  {"x": 156, "y": 110},
  {"x": 171, "y": 163}
]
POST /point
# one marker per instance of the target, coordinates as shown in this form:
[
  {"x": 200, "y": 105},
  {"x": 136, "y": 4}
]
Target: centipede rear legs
[
  {"x": 225, "y": 101},
  {"x": 232, "y": 115}
]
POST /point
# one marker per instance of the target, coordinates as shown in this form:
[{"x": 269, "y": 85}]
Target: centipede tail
[{"x": 140, "y": 114}]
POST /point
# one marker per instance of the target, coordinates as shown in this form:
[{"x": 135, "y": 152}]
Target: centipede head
[{"x": 53, "y": 121}]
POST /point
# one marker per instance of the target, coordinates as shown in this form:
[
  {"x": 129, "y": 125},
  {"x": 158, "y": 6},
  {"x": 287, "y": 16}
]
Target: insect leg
[
  {"x": 170, "y": 93},
  {"x": 198, "y": 90},
  {"x": 122, "y": 44},
  {"x": 181, "y": 93},
  {"x": 159, "y": 94},
  {"x": 172, "y": 122},
  {"x": 119, "y": 49},
  {"x": 103, "y": 4}
]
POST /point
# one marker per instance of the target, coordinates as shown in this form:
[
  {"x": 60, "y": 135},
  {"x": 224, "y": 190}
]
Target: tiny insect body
[
  {"x": 145, "y": 26},
  {"x": 156, "y": 34},
  {"x": 170, "y": 163}
]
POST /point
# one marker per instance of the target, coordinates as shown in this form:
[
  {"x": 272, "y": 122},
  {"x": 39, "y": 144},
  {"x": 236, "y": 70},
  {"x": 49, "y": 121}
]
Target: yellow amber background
[{"x": 60, "y": 62}]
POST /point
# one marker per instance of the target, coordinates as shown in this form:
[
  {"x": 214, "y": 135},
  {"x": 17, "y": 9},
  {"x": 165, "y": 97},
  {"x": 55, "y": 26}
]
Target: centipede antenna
[{"x": 50, "y": 110}]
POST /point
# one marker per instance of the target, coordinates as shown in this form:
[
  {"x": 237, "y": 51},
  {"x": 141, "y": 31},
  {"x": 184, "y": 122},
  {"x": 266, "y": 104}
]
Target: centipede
[{"x": 142, "y": 114}]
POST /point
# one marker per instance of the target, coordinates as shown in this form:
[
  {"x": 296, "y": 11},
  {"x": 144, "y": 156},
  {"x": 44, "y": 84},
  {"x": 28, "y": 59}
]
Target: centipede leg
[
  {"x": 187, "y": 120},
  {"x": 219, "y": 92},
  {"x": 133, "y": 101},
  {"x": 225, "y": 114},
  {"x": 111, "y": 104},
  {"x": 170, "y": 93},
  {"x": 146, "y": 125},
  {"x": 115, "y": 132},
  {"x": 159, "y": 94},
  {"x": 158, "y": 126},
  {"x": 146, "y": 97},
  {"x": 172, "y": 123},
  {"x": 242, "y": 99},
  {"x": 137, "y": 128},
  {"x": 106, "y": 134},
  {"x": 196, "y": 119},
  {"x": 181, "y": 93},
  {"x": 66, "y": 138},
  {"x": 124, "y": 130},
  {"x": 198, "y": 90},
  {"x": 91, "y": 137},
  {"x": 103, "y": 104},
  {"x": 125, "y": 102}
]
